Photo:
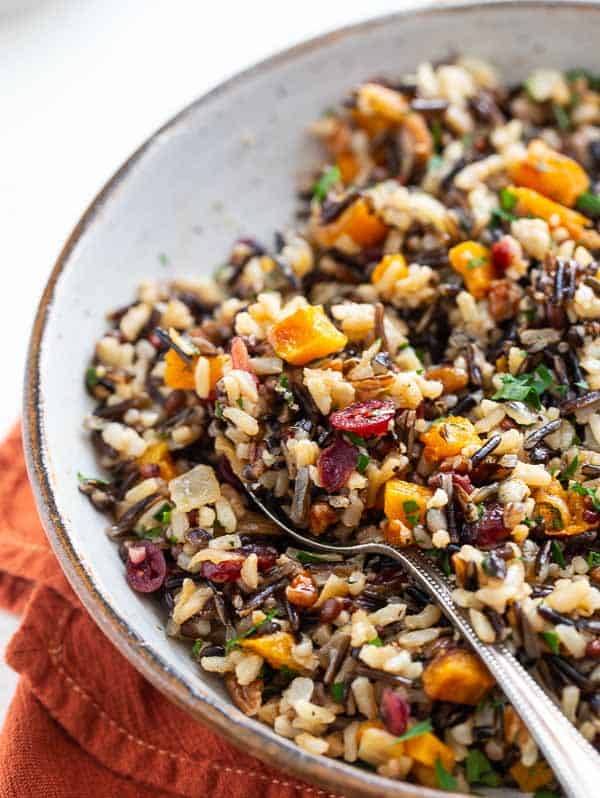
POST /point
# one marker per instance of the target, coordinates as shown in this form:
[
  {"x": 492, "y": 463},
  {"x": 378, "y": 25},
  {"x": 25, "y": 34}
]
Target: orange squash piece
[
  {"x": 305, "y": 335},
  {"x": 562, "y": 511},
  {"x": 453, "y": 379},
  {"x": 357, "y": 222},
  {"x": 158, "y": 454},
  {"x": 473, "y": 261},
  {"x": 406, "y": 501},
  {"x": 276, "y": 649},
  {"x": 532, "y": 203},
  {"x": 532, "y": 778},
  {"x": 448, "y": 437},
  {"x": 390, "y": 266},
  {"x": 426, "y": 749},
  {"x": 178, "y": 373},
  {"x": 424, "y": 775},
  {"x": 550, "y": 173},
  {"x": 346, "y": 163},
  {"x": 458, "y": 677}
]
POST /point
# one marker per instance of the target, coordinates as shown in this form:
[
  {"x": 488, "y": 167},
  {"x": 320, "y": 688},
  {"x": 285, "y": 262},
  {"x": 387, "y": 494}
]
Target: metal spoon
[{"x": 574, "y": 761}]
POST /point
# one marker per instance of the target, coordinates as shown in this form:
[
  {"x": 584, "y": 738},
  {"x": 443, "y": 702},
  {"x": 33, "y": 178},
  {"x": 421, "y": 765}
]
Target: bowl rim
[{"x": 202, "y": 703}]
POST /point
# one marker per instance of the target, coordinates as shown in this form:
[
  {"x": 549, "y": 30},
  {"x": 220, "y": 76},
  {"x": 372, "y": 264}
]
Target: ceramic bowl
[{"x": 227, "y": 166}]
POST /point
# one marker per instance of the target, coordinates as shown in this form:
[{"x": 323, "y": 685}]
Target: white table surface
[{"x": 83, "y": 83}]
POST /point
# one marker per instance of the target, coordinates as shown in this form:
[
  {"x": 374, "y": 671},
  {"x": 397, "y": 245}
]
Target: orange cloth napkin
[{"x": 83, "y": 721}]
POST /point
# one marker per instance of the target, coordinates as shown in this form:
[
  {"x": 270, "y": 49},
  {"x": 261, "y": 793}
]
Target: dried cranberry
[
  {"x": 365, "y": 418},
  {"x": 463, "y": 481},
  {"x": 591, "y": 516},
  {"x": 394, "y": 712},
  {"x": 336, "y": 463},
  {"x": 593, "y": 649},
  {"x": 148, "y": 470},
  {"x": 267, "y": 555},
  {"x": 226, "y": 571},
  {"x": 146, "y": 567},
  {"x": 490, "y": 528},
  {"x": 503, "y": 252}
]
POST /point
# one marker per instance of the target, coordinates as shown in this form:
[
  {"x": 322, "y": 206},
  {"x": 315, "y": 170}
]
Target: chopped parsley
[
  {"x": 424, "y": 727},
  {"x": 325, "y": 182},
  {"x": 362, "y": 462},
  {"x": 475, "y": 263},
  {"x": 588, "y": 203},
  {"x": 307, "y": 557},
  {"x": 479, "y": 769},
  {"x": 337, "y": 691},
  {"x": 445, "y": 780},
  {"x": 563, "y": 120},
  {"x": 526, "y": 387},
  {"x": 574, "y": 74},
  {"x": 436, "y": 134},
  {"x": 593, "y": 559},
  {"x": 149, "y": 534},
  {"x": 163, "y": 516},
  {"x": 287, "y": 672},
  {"x": 376, "y": 641},
  {"x": 411, "y": 511},
  {"x": 545, "y": 794},
  {"x": 234, "y": 641},
  {"x": 91, "y": 377},
  {"x": 581, "y": 490},
  {"x": 219, "y": 410},
  {"x": 356, "y": 439},
  {"x": 508, "y": 199},
  {"x": 284, "y": 385},
  {"x": 499, "y": 215},
  {"x": 240, "y": 402},
  {"x": 83, "y": 479},
  {"x": 196, "y": 647},
  {"x": 557, "y": 554},
  {"x": 552, "y": 641}
]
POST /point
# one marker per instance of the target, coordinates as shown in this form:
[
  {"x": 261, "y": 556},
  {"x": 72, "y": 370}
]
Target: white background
[{"x": 82, "y": 84}]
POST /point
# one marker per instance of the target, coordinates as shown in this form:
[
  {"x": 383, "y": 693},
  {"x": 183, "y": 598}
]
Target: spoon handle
[{"x": 574, "y": 761}]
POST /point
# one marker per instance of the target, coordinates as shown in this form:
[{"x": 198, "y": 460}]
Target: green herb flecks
[
  {"x": 82, "y": 479},
  {"x": 197, "y": 647},
  {"x": 325, "y": 182},
  {"x": 411, "y": 511},
  {"x": 356, "y": 439},
  {"x": 337, "y": 691},
  {"x": 557, "y": 554},
  {"x": 526, "y": 387},
  {"x": 362, "y": 462},
  {"x": 91, "y": 378},
  {"x": 307, "y": 557},
  {"x": 475, "y": 263},
  {"x": 235, "y": 641},
  {"x": 563, "y": 120},
  {"x": 508, "y": 199},
  {"x": 568, "y": 472},
  {"x": 593, "y": 559},
  {"x": 588, "y": 203},
  {"x": 219, "y": 410},
  {"x": 479, "y": 770},
  {"x": 445, "y": 780},
  {"x": 417, "y": 730},
  {"x": 376, "y": 641},
  {"x": 581, "y": 490},
  {"x": 285, "y": 390},
  {"x": 552, "y": 641},
  {"x": 163, "y": 516},
  {"x": 151, "y": 533}
]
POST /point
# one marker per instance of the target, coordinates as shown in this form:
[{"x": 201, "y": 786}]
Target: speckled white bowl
[{"x": 225, "y": 166}]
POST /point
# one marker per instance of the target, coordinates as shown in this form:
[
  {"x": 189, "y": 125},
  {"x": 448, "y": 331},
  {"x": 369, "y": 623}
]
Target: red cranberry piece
[
  {"x": 267, "y": 555},
  {"x": 146, "y": 567},
  {"x": 336, "y": 463},
  {"x": 490, "y": 528},
  {"x": 148, "y": 470},
  {"x": 394, "y": 712},
  {"x": 593, "y": 649},
  {"x": 463, "y": 480},
  {"x": 365, "y": 418},
  {"x": 226, "y": 571},
  {"x": 503, "y": 252}
]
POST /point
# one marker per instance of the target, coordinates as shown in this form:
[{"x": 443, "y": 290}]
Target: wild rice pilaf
[{"x": 419, "y": 364}]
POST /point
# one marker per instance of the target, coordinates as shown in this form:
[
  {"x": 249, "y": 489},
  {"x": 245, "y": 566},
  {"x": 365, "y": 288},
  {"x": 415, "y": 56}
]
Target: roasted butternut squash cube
[
  {"x": 406, "y": 501},
  {"x": 276, "y": 649},
  {"x": 532, "y": 203},
  {"x": 158, "y": 454},
  {"x": 426, "y": 749},
  {"x": 305, "y": 335},
  {"x": 457, "y": 676},
  {"x": 348, "y": 166},
  {"x": 473, "y": 261},
  {"x": 178, "y": 373},
  {"x": 550, "y": 173},
  {"x": 532, "y": 778},
  {"x": 390, "y": 267},
  {"x": 453, "y": 379},
  {"x": 448, "y": 437},
  {"x": 357, "y": 222}
]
